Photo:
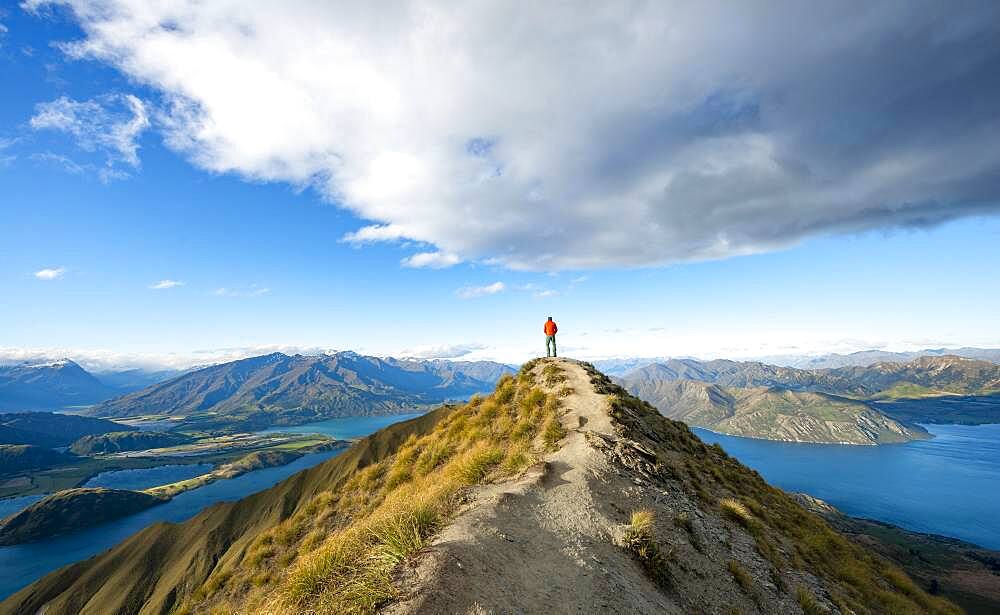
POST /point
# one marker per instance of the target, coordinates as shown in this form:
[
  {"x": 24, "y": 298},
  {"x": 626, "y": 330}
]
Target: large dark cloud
[{"x": 618, "y": 134}]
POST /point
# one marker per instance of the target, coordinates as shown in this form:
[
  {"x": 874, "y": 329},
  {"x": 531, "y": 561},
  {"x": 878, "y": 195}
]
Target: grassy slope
[
  {"x": 964, "y": 573},
  {"x": 233, "y": 552},
  {"x": 326, "y": 540},
  {"x": 785, "y": 534}
]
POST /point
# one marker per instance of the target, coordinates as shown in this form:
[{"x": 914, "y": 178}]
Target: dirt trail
[{"x": 541, "y": 543}]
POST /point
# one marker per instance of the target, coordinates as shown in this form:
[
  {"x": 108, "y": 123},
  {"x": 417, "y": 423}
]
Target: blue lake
[
  {"x": 948, "y": 485},
  {"x": 22, "y": 564},
  {"x": 346, "y": 428},
  {"x": 144, "y": 478}
]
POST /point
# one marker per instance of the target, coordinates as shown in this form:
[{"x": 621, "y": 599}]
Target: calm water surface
[
  {"x": 345, "y": 428},
  {"x": 144, "y": 478},
  {"x": 948, "y": 485},
  {"x": 22, "y": 564}
]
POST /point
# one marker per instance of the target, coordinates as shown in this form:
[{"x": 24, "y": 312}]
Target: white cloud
[
  {"x": 443, "y": 351},
  {"x": 251, "y": 291},
  {"x": 165, "y": 284},
  {"x": 471, "y": 292},
  {"x": 50, "y": 273},
  {"x": 111, "y": 125},
  {"x": 433, "y": 260},
  {"x": 555, "y": 138},
  {"x": 103, "y": 359}
]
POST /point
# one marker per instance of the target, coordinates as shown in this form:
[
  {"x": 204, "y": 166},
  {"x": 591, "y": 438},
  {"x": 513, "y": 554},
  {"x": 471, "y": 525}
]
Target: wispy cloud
[
  {"x": 446, "y": 351},
  {"x": 471, "y": 292},
  {"x": 165, "y": 284},
  {"x": 50, "y": 273},
  {"x": 65, "y": 163},
  {"x": 251, "y": 291},
  {"x": 110, "y": 125},
  {"x": 432, "y": 260}
]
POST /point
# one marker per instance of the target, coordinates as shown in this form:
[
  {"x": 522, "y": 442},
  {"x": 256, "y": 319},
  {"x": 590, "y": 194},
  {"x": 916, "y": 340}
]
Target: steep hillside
[
  {"x": 277, "y": 389},
  {"x": 118, "y": 441},
  {"x": 52, "y": 429},
  {"x": 49, "y": 386},
  {"x": 16, "y": 458},
  {"x": 557, "y": 493},
  {"x": 966, "y": 574},
  {"x": 774, "y": 414}
]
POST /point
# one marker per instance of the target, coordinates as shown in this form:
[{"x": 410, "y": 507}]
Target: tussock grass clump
[
  {"x": 553, "y": 374},
  {"x": 433, "y": 456},
  {"x": 473, "y": 466},
  {"x": 740, "y": 575},
  {"x": 735, "y": 510},
  {"x": 553, "y": 432},
  {"x": 639, "y": 540},
  {"x": 808, "y": 602}
]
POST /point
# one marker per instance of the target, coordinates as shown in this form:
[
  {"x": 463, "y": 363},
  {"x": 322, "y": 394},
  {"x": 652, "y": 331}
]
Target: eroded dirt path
[{"x": 540, "y": 543}]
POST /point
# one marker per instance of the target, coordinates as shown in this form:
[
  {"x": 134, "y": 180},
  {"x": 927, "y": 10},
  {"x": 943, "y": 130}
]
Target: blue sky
[{"x": 687, "y": 228}]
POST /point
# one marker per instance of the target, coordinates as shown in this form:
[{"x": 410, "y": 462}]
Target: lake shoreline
[{"x": 948, "y": 486}]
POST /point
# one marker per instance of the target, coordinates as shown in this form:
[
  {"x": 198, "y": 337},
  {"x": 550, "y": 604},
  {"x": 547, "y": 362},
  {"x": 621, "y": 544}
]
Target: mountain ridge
[
  {"x": 279, "y": 389},
  {"x": 49, "y": 385},
  {"x": 558, "y": 492}
]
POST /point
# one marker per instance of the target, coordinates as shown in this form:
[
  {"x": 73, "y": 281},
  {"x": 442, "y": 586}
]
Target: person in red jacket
[{"x": 550, "y": 337}]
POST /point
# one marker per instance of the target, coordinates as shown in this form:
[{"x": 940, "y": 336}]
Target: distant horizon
[{"x": 102, "y": 362}]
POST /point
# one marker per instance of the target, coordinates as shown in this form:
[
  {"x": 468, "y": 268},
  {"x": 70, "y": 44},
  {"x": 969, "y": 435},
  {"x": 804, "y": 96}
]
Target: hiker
[{"x": 550, "y": 337}]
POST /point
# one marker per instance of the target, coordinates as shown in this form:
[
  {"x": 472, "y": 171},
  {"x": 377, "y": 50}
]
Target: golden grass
[
  {"x": 735, "y": 510},
  {"x": 808, "y": 602},
  {"x": 639, "y": 539},
  {"x": 337, "y": 552},
  {"x": 786, "y": 535}
]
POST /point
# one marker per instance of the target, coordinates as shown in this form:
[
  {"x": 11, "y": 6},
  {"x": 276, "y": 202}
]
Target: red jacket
[{"x": 550, "y": 327}]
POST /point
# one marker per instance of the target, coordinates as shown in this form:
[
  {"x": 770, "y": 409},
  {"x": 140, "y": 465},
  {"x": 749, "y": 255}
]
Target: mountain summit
[{"x": 559, "y": 492}]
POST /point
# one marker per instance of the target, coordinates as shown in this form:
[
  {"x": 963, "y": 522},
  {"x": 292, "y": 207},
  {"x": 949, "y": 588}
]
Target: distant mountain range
[
  {"x": 871, "y": 357},
  {"x": 864, "y": 358},
  {"x": 278, "y": 389},
  {"x": 922, "y": 376},
  {"x": 827, "y": 405},
  {"x": 62, "y": 383},
  {"x": 49, "y": 386},
  {"x": 128, "y": 380}
]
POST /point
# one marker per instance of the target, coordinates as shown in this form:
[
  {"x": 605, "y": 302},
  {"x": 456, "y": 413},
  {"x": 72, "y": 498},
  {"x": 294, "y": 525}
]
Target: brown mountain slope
[
  {"x": 773, "y": 414},
  {"x": 559, "y": 492}
]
